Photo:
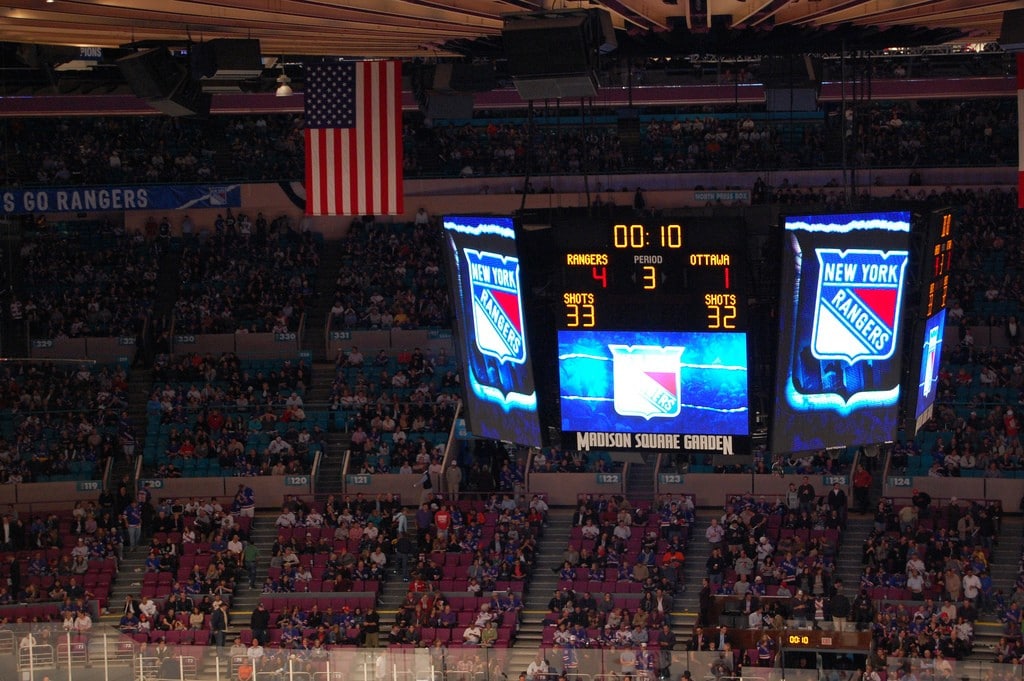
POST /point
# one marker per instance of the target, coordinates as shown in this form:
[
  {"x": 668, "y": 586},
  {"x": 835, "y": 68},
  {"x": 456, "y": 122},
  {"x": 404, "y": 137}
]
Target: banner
[{"x": 18, "y": 201}]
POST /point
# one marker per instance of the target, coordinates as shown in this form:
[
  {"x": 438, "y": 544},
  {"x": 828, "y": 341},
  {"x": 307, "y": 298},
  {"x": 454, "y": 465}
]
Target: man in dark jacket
[
  {"x": 259, "y": 622},
  {"x": 219, "y": 624},
  {"x": 14, "y": 576},
  {"x": 839, "y": 608}
]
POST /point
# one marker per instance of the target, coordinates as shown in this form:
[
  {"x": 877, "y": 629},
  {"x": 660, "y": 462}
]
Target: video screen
[
  {"x": 931, "y": 359},
  {"x": 490, "y": 328},
  {"x": 653, "y": 382},
  {"x": 840, "y": 330}
]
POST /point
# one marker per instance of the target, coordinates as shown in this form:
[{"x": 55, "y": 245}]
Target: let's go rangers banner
[{"x": 23, "y": 201}]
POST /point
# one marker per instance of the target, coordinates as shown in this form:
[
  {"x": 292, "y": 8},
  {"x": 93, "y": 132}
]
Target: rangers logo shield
[
  {"x": 497, "y": 305},
  {"x": 859, "y": 296},
  {"x": 646, "y": 380}
]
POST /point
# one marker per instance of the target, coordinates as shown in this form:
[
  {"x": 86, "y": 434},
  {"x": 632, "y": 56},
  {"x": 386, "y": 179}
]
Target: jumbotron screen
[
  {"x": 661, "y": 390},
  {"x": 490, "y": 328},
  {"x": 930, "y": 353},
  {"x": 841, "y": 324}
]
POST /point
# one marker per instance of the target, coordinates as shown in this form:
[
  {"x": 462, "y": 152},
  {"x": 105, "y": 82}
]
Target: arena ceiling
[{"x": 427, "y": 28}]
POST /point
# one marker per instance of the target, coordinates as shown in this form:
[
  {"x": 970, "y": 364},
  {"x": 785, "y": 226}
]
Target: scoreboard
[
  {"x": 651, "y": 336},
  {"x": 939, "y": 261},
  {"x": 655, "y": 275},
  {"x": 926, "y": 353}
]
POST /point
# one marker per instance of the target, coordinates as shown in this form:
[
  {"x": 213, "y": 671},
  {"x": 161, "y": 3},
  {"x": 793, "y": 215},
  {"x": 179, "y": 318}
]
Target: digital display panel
[
  {"x": 938, "y": 261},
  {"x": 490, "y": 328},
  {"x": 673, "y": 274},
  {"x": 656, "y": 390},
  {"x": 840, "y": 330},
  {"x": 930, "y": 350}
]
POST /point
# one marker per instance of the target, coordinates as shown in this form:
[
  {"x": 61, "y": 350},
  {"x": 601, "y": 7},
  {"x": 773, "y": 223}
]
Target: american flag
[
  {"x": 354, "y": 138},
  {"x": 1020, "y": 130}
]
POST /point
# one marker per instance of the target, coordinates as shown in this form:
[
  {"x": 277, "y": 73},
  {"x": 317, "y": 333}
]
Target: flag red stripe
[{"x": 358, "y": 170}]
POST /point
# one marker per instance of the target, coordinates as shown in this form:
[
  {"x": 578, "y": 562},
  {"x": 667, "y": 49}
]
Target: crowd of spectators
[
  {"x": 60, "y": 420},
  {"x": 936, "y": 556},
  {"x": 468, "y": 548},
  {"x": 398, "y": 408},
  {"x": 925, "y": 579},
  {"x": 761, "y": 547},
  {"x": 236, "y": 280},
  {"x": 1010, "y": 648},
  {"x": 81, "y": 284},
  {"x": 105, "y": 150},
  {"x": 250, "y": 419},
  {"x": 270, "y": 147},
  {"x": 389, "y": 276},
  {"x": 974, "y": 431},
  {"x": 344, "y": 541},
  {"x": 557, "y": 460}
]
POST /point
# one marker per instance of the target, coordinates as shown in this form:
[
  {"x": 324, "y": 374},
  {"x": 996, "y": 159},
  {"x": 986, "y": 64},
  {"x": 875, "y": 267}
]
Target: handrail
[
  {"x": 107, "y": 470},
  {"x": 327, "y": 337},
  {"x": 138, "y": 471},
  {"x": 315, "y": 470},
  {"x": 445, "y": 459},
  {"x": 344, "y": 469},
  {"x": 657, "y": 474},
  {"x": 301, "y": 333}
]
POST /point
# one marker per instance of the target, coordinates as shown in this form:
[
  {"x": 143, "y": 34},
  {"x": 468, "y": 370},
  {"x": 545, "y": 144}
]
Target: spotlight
[{"x": 283, "y": 87}]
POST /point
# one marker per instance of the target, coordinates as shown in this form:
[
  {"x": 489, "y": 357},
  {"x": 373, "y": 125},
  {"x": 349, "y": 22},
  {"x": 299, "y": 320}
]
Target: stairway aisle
[
  {"x": 686, "y": 604},
  {"x": 244, "y": 601},
  {"x": 318, "y": 396},
  {"x": 140, "y": 383},
  {"x": 542, "y": 584},
  {"x": 640, "y": 479},
  {"x": 1004, "y": 566},
  {"x": 320, "y": 305},
  {"x": 848, "y": 566}
]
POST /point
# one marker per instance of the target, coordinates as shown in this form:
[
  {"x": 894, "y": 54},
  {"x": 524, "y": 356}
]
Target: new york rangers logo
[
  {"x": 857, "y": 311},
  {"x": 646, "y": 380},
  {"x": 497, "y": 305}
]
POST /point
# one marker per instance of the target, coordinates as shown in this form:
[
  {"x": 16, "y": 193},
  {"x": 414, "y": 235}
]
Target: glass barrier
[
  {"x": 46, "y": 652},
  {"x": 942, "y": 669}
]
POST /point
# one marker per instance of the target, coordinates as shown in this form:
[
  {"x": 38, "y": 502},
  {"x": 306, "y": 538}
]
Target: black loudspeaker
[
  {"x": 188, "y": 99},
  {"x": 791, "y": 99},
  {"x": 547, "y": 47},
  {"x": 151, "y": 74},
  {"x": 448, "y": 106},
  {"x": 227, "y": 58},
  {"x": 1011, "y": 36},
  {"x": 473, "y": 78},
  {"x": 164, "y": 83},
  {"x": 582, "y": 85}
]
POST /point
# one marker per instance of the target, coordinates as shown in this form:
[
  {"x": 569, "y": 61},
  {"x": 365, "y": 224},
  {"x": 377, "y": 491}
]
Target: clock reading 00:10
[{"x": 637, "y": 236}]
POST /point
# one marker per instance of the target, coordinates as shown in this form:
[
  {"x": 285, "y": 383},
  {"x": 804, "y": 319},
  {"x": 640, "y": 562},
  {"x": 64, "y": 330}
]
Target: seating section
[
  {"x": 232, "y": 283},
  {"x": 60, "y": 421},
  {"x": 974, "y": 430},
  {"x": 606, "y": 598},
  {"x": 54, "y": 579},
  {"x": 84, "y": 279},
  {"x": 399, "y": 408},
  {"x": 222, "y": 416},
  {"x": 389, "y": 276}
]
